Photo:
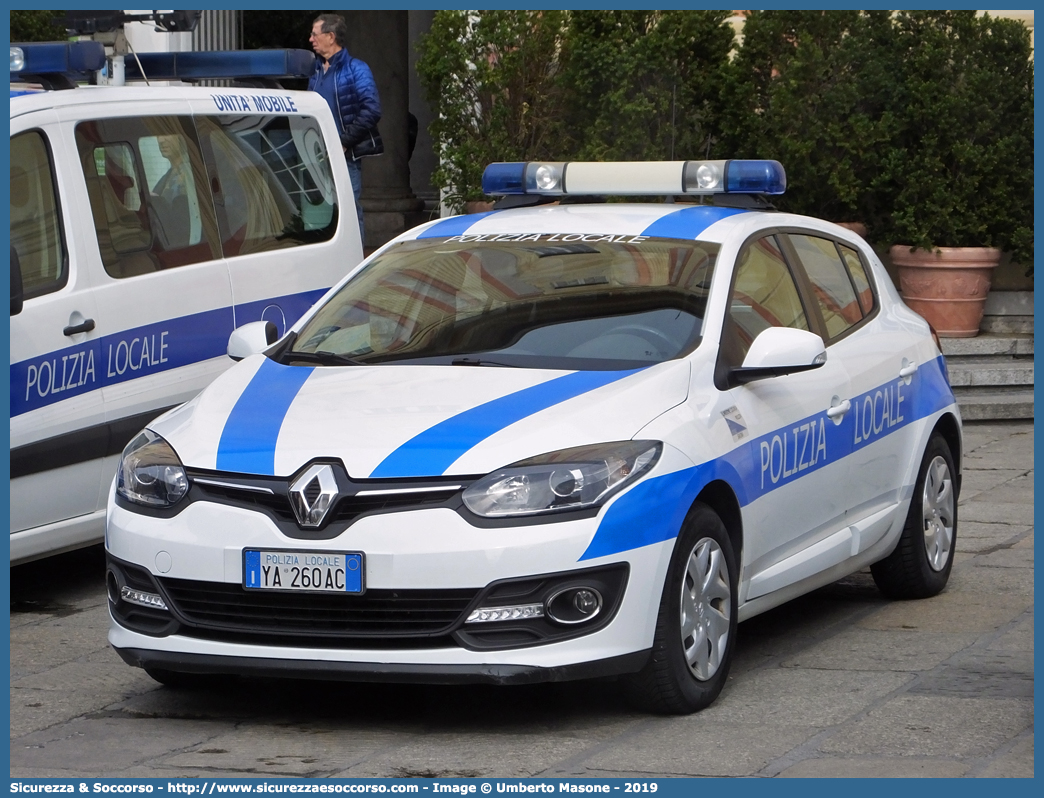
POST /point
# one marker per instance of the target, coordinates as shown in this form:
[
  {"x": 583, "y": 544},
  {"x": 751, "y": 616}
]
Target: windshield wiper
[
  {"x": 324, "y": 358},
  {"x": 474, "y": 361}
]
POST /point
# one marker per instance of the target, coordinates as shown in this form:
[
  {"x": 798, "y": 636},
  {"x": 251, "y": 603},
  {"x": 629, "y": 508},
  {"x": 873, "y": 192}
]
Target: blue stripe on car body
[
  {"x": 689, "y": 222},
  {"x": 628, "y": 523},
  {"x": 248, "y": 440},
  {"x": 433, "y": 451},
  {"x": 454, "y": 226}
]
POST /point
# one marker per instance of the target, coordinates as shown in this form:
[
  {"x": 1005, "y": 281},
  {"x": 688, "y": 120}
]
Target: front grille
[
  {"x": 388, "y": 618},
  {"x": 357, "y": 498},
  {"x": 254, "y": 500},
  {"x": 351, "y": 507}
]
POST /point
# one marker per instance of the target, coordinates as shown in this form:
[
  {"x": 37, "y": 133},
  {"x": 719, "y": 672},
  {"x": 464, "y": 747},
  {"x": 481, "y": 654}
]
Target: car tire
[
  {"x": 920, "y": 565},
  {"x": 696, "y": 623}
]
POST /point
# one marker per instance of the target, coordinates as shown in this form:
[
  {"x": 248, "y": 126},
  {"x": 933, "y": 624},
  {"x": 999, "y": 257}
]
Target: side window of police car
[
  {"x": 271, "y": 181},
  {"x": 842, "y": 298},
  {"x": 148, "y": 191},
  {"x": 36, "y": 230},
  {"x": 763, "y": 295}
]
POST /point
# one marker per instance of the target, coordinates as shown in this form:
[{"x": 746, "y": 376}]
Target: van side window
[
  {"x": 272, "y": 183},
  {"x": 831, "y": 283},
  {"x": 148, "y": 191},
  {"x": 36, "y": 227}
]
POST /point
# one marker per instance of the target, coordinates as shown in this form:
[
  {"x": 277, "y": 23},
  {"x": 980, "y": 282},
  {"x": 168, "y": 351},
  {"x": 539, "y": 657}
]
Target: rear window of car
[{"x": 539, "y": 301}]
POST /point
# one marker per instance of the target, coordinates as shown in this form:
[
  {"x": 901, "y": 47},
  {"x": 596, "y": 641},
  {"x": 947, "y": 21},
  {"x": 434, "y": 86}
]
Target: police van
[{"x": 147, "y": 222}]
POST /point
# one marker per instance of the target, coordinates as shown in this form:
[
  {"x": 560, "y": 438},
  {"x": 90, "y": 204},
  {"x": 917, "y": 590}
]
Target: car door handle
[
  {"x": 839, "y": 410},
  {"x": 907, "y": 371},
  {"x": 84, "y": 326}
]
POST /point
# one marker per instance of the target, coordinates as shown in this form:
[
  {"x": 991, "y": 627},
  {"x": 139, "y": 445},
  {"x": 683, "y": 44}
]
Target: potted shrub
[{"x": 957, "y": 184}]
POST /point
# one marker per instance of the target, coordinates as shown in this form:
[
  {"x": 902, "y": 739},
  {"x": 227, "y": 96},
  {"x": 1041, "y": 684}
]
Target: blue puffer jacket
[{"x": 358, "y": 104}]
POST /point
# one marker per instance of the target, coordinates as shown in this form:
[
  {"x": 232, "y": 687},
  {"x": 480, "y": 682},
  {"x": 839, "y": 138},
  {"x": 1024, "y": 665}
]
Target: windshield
[{"x": 579, "y": 302}]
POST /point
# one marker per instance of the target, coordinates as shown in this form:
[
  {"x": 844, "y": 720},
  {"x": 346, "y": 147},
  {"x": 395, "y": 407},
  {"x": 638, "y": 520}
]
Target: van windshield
[{"x": 578, "y": 302}]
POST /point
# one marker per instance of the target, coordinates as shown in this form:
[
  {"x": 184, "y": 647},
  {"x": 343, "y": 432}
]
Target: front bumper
[
  {"x": 413, "y": 673},
  {"x": 424, "y": 550}
]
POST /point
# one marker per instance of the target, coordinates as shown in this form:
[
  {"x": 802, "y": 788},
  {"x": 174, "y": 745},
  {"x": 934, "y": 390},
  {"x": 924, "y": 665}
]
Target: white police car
[
  {"x": 146, "y": 224},
  {"x": 547, "y": 443}
]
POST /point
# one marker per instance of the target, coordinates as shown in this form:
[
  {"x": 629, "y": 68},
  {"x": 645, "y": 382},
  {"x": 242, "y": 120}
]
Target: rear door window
[
  {"x": 833, "y": 285},
  {"x": 864, "y": 290}
]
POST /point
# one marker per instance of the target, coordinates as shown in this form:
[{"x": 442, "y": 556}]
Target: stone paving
[{"x": 838, "y": 683}]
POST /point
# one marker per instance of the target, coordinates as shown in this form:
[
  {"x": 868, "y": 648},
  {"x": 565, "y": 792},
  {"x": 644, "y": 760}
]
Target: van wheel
[
  {"x": 696, "y": 624},
  {"x": 920, "y": 565}
]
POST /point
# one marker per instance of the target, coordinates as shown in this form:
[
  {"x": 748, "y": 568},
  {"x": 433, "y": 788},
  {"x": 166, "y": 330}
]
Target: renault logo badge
[{"x": 313, "y": 494}]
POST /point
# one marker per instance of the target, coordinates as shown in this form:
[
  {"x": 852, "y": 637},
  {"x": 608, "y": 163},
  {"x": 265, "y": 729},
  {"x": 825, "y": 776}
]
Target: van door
[
  {"x": 164, "y": 303},
  {"x": 286, "y": 231},
  {"x": 56, "y": 371}
]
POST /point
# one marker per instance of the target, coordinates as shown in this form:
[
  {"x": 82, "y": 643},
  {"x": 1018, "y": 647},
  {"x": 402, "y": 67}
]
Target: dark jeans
[{"x": 355, "y": 173}]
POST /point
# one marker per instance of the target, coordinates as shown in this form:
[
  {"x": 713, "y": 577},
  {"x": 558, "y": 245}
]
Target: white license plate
[{"x": 303, "y": 571}]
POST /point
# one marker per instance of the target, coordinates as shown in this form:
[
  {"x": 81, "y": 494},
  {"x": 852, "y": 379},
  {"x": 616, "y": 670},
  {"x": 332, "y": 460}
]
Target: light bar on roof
[
  {"x": 49, "y": 58},
  {"x": 554, "y": 178},
  {"x": 229, "y": 64}
]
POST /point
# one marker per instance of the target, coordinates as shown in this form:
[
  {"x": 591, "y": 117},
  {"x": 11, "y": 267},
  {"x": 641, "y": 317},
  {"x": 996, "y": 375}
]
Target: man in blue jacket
[{"x": 347, "y": 85}]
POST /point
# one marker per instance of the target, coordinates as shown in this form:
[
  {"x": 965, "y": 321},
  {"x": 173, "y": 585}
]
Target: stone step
[
  {"x": 985, "y": 370},
  {"x": 1006, "y": 324},
  {"x": 1012, "y": 344},
  {"x": 1009, "y": 303},
  {"x": 991, "y": 404}
]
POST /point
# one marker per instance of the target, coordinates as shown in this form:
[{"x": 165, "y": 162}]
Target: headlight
[
  {"x": 570, "y": 479},
  {"x": 150, "y": 472}
]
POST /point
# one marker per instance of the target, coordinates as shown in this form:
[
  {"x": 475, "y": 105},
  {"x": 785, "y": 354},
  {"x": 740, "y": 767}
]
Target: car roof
[
  {"x": 710, "y": 223},
  {"x": 303, "y": 101}
]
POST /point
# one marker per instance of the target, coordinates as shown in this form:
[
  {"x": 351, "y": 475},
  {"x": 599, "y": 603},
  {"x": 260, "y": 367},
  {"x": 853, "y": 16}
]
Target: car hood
[{"x": 391, "y": 421}]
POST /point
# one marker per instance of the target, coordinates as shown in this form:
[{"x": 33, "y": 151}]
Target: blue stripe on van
[
  {"x": 142, "y": 351},
  {"x": 283, "y": 311},
  {"x": 433, "y": 451},
  {"x": 248, "y": 440}
]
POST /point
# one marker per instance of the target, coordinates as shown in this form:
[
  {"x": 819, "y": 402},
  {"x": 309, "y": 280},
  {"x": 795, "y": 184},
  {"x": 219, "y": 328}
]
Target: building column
[
  {"x": 424, "y": 160},
  {"x": 381, "y": 39}
]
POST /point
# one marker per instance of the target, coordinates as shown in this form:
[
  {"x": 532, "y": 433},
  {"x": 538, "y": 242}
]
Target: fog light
[
  {"x": 574, "y": 605},
  {"x": 586, "y": 602},
  {"x": 521, "y": 612},
  {"x": 132, "y": 596}
]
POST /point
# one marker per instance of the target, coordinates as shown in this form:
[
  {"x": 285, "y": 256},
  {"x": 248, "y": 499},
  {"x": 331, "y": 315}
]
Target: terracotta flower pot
[
  {"x": 856, "y": 227},
  {"x": 948, "y": 286},
  {"x": 477, "y": 206}
]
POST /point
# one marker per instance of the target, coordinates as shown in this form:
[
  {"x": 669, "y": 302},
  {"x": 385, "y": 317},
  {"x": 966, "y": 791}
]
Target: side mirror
[
  {"x": 778, "y": 351},
  {"x": 251, "y": 339},
  {"x": 16, "y": 283}
]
